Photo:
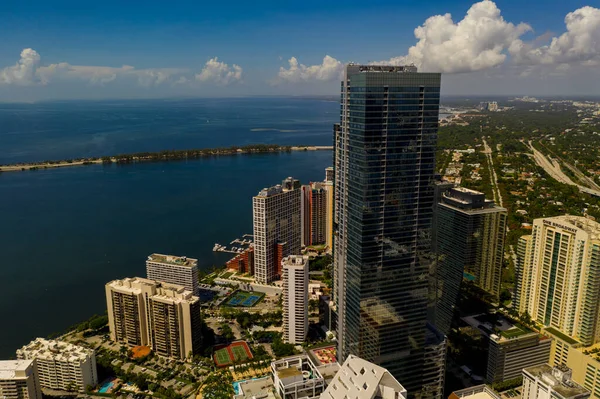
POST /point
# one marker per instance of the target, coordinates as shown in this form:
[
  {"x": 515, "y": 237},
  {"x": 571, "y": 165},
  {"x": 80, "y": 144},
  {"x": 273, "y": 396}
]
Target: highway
[{"x": 554, "y": 170}]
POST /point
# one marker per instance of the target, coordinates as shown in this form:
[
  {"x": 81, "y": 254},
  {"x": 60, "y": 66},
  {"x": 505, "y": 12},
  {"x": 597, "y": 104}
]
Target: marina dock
[{"x": 236, "y": 246}]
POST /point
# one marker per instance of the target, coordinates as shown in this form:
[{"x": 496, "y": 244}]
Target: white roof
[
  {"x": 360, "y": 379},
  {"x": 8, "y": 368},
  {"x": 46, "y": 349}
]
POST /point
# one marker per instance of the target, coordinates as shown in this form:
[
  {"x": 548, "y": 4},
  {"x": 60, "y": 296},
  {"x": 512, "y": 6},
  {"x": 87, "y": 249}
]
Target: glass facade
[
  {"x": 385, "y": 159},
  {"x": 469, "y": 238}
]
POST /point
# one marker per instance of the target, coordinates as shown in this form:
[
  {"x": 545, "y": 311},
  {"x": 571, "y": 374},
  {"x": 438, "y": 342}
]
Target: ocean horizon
[{"x": 56, "y": 130}]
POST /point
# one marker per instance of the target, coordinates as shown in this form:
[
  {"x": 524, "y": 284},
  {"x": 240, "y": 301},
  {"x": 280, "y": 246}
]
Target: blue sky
[{"x": 69, "y": 49}]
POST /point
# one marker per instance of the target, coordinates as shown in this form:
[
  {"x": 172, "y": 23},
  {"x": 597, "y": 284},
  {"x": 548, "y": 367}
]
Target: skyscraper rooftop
[
  {"x": 11, "y": 369},
  {"x": 173, "y": 260}
]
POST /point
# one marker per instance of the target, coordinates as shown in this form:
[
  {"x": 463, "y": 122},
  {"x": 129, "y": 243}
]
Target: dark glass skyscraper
[
  {"x": 469, "y": 241},
  {"x": 385, "y": 160}
]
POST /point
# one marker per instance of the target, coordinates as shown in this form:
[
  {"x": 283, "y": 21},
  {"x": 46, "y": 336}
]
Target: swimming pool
[
  {"x": 106, "y": 386},
  {"x": 236, "y": 385}
]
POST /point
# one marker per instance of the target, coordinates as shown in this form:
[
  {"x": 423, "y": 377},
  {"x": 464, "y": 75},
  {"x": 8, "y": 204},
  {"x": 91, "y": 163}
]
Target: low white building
[
  {"x": 360, "y": 379},
  {"x": 18, "y": 380},
  {"x": 297, "y": 377},
  {"x": 545, "y": 382},
  {"x": 61, "y": 365},
  {"x": 179, "y": 270},
  {"x": 476, "y": 392}
]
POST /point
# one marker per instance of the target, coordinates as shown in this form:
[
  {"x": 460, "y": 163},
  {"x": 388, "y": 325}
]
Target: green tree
[{"x": 227, "y": 333}]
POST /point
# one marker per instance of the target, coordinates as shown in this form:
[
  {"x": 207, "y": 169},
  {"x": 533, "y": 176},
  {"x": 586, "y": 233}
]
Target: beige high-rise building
[
  {"x": 176, "y": 326},
  {"x": 179, "y": 270},
  {"x": 277, "y": 228},
  {"x": 164, "y": 316},
  {"x": 295, "y": 298},
  {"x": 61, "y": 365},
  {"x": 522, "y": 294},
  {"x": 583, "y": 361},
  {"x": 18, "y": 380},
  {"x": 559, "y": 276},
  {"x": 127, "y": 310}
]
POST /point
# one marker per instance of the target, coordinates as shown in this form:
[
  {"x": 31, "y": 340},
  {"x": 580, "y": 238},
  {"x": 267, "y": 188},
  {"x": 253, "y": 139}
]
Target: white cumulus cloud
[
  {"x": 580, "y": 44},
  {"x": 479, "y": 41},
  {"x": 29, "y": 71},
  {"x": 219, "y": 72},
  {"x": 24, "y": 71},
  {"x": 329, "y": 69},
  {"x": 95, "y": 75}
]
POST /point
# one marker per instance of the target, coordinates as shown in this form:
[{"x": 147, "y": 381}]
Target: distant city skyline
[{"x": 124, "y": 51}]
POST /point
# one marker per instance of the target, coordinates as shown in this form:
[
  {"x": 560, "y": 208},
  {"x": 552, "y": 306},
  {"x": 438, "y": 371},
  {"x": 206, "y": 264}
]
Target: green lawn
[
  {"x": 562, "y": 336},
  {"x": 226, "y": 275},
  {"x": 513, "y": 333}
]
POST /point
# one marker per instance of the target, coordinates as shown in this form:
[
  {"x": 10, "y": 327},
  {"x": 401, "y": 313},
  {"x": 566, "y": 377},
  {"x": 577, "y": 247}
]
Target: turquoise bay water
[{"x": 65, "y": 232}]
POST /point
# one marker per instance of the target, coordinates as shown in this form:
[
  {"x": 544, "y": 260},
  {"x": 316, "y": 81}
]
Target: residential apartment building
[
  {"x": 384, "y": 169},
  {"x": 127, "y": 305},
  {"x": 179, "y": 270},
  {"x": 509, "y": 353},
  {"x": 584, "y": 362},
  {"x": 360, "y": 379},
  {"x": 545, "y": 382},
  {"x": 277, "y": 228},
  {"x": 314, "y": 214},
  {"x": 295, "y": 298},
  {"x": 559, "y": 276},
  {"x": 61, "y": 365},
  {"x": 18, "y": 380},
  {"x": 470, "y": 232},
  {"x": 165, "y": 317},
  {"x": 522, "y": 293}
]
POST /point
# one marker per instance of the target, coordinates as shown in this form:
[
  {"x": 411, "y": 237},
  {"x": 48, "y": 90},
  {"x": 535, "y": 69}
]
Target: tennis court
[
  {"x": 244, "y": 298},
  {"x": 239, "y": 353},
  {"x": 236, "y": 352},
  {"x": 251, "y": 300},
  {"x": 222, "y": 357}
]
